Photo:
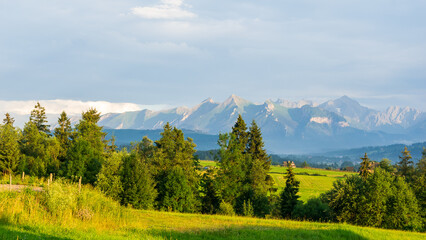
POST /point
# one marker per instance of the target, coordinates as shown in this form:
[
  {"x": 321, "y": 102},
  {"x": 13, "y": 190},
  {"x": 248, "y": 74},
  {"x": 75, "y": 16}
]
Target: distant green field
[{"x": 310, "y": 186}]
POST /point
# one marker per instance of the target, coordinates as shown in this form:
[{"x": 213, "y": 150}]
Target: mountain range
[{"x": 288, "y": 127}]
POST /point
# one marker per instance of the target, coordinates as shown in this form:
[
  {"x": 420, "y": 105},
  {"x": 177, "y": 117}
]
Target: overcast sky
[{"x": 179, "y": 52}]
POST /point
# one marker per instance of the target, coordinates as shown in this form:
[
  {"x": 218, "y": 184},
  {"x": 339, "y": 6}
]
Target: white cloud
[
  {"x": 72, "y": 107},
  {"x": 168, "y": 9}
]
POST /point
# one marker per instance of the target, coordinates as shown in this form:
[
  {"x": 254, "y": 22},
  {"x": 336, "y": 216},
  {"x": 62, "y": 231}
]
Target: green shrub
[
  {"x": 226, "y": 209},
  {"x": 61, "y": 197}
]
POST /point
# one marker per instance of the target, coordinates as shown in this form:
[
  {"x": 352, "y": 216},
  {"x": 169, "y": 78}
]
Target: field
[
  {"x": 310, "y": 185},
  {"x": 23, "y": 216}
]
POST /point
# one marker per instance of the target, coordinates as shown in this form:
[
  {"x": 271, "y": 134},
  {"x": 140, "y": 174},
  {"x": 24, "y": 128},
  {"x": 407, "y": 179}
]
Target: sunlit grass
[{"x": 27, "y": 215}]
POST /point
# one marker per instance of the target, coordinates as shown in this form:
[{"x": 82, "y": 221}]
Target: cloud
[
  {"x": 169, "y": 9},
  {"x": 72, "y": 107}
]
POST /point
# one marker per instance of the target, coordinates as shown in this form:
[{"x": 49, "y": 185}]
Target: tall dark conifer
[
  {"x": 39, "y": 118},
  {"x": 63, "y": 135},
  {"x": 289, "y": 197},
  {"x": 406, "y": 166},
  {"x": 239, "y": 130},
  {"x": 8, "y": 119},
  {"x": 365, "y": 168}
]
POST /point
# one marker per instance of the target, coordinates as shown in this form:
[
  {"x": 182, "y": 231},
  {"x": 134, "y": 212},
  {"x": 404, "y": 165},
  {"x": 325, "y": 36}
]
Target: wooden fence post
[
  {"x": 79, "y": 185},
  {"x": 10, "y": 181},
  {"x": 23, "y": 176},
  {"x": 51, "y": 177}
]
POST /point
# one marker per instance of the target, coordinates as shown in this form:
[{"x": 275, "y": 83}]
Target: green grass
[
  {"x": 310, "y": 186},
  {"x": 36, "y": 215}
]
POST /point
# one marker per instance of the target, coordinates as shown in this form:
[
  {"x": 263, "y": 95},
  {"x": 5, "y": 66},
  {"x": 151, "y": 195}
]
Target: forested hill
[
  {"x": 376, "y": 153},
  {"x": 124, "y": 137}
]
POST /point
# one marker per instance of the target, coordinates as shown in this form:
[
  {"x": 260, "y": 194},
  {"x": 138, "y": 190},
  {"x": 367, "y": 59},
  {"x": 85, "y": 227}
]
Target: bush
[
  {"x": 313, "y": 210},
  {"x": 61, "y": 197},
  {"x": 226, "y": 209}
]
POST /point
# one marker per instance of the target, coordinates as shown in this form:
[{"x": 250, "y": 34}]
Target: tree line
[{"x": 165, "y": 175}]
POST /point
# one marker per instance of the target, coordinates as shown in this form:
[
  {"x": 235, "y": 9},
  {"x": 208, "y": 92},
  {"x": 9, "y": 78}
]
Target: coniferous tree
[
  {"x": 257, "y": 176},
  {"x": 9, "y": 148},
  {"x": 8, "y": 120},
  {"x": 239, "y": 130},
  {"x": 39, "y": 118},
  {"x": 63, "y": 134},
  {"x": 87, "y": 151},
  {"x": 405, "y": 166},
  {"x": 365, "y": 168},
  {"x": 289, "y": 197}
]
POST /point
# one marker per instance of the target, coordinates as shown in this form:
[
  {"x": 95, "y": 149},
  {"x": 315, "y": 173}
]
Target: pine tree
[
  {"x": 39, "y": 118},
  {"x": 9, "y": 148},
  {"x": 8, "y": 119},
  {"x": 365, "y": 168},
  {"x": 405, "y": 166},
  {"x": 289, "y": 197}
]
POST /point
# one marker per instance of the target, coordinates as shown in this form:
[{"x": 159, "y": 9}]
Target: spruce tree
[
  {"x": 87, "y": 151},
  {"x": 63, "y": 134},
  {"x": 39, "y": 118},
  {"x": 289, "y": 197},
  {"x": 8, "y": 120},
  {"x": 405, "y": 166},
  {"x": 365, "y": 168},
  {"x": 239, "y": 130},
  {"x": 9, "y": 148}
]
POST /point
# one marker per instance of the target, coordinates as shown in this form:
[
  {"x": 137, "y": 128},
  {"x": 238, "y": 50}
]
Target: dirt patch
[{"x": 18, "y": 188}]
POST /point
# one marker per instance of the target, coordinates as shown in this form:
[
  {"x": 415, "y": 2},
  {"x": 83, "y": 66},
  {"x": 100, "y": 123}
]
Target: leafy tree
[
  {"x": 374, "y": 201},
  {"x": 137, "y": 180},
  {"x": 289, "y": 197},
  {"x": 305, "y": 164},
  {"x": 405, "y": 166},
  {"x": 109, "y": 177},
  {"x": 9, "y": 148},
  {"x": 8, "y": 120},
  {"x": 386, "y": 165},
  {"x": 174, "y": 161},
  {"x": 419, "y": 186},
  {"x": 313, "y": 210},
  {"x": 41, "y": 151},
  {"x": 365, "y": 168},
  {"x": 39, "y": 118}
]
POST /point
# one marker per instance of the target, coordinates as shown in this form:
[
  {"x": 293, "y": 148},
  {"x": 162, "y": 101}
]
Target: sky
[{"x": 180, "y": 52}]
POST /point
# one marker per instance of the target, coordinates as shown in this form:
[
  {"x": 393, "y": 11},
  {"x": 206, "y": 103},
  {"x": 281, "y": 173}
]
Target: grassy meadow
[
  {"x": 90, "y": 215},
  {"x": 313, "y": 182}
]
